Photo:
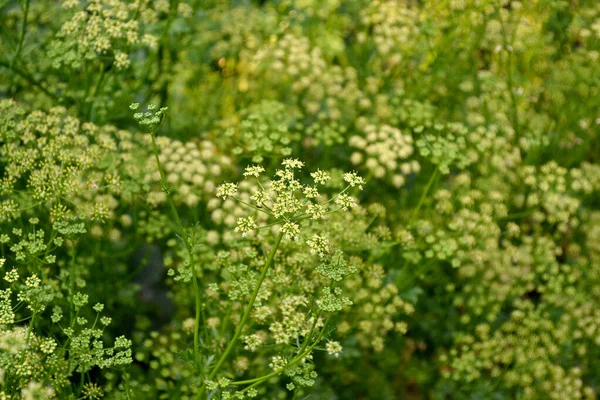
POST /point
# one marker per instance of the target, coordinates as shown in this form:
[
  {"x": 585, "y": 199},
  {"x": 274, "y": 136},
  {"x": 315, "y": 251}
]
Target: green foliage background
[{"x": 467, "y": 267}]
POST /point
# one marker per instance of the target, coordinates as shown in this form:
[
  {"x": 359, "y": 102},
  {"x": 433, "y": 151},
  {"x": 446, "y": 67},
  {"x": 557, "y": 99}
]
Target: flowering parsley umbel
[
  {"x": 291, "y": 163},
  {"x": 245, "y": 225},
  {"x": 354, "y": 180},
  {"x": 320, "y": 177},
  {"x": 150, "y": 119},
  {"x": 254, "y": 170},
  {"x": 318, "y": 245},
  {"x": 290, "y": 230},
  {"x": 345, "y": 202},
  {"x": 226, "y": 190},
  {"x": 316, "y": 211},
  {"x": 287, "y": 200},
  {"x": 310, "y": 192}
]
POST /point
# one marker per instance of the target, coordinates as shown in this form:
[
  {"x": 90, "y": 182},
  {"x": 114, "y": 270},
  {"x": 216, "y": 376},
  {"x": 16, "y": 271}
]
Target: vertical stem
[
  {"x": 30, "y": 327},
  {"x": 92, "y": 97},
  {"x": 509, "y": 76},
  {"x": 188, "y": 246},
  {"x": 240, "y": 327},
  {"x": 127, "y": 387},
  {"x": 81, "y": 383},
  {"x": 72, "y": 312},
  {"x": 424, "y": 195},
  {"x": 163, "y": 49}
]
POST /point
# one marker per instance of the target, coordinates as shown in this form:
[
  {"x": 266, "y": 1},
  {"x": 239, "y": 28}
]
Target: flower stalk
[
  {"x": 245, "y": 316},
  {"x": 188, "y": 246}
]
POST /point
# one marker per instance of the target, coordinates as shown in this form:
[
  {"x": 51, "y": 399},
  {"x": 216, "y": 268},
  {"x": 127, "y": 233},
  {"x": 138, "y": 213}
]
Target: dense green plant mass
[{"x": 292, "y": 199}]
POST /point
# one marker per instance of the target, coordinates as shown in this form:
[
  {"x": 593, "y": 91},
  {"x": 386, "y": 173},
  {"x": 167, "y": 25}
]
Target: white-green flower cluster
[
  {"x": 99, "y": 28},
  {"x": 191, "y": 170},
  {"x": 286, "y": 202},
  {"x": 264, "y": 132},
  {"x": 384, "y": 151},
  {"x": 235, "y": 273}
]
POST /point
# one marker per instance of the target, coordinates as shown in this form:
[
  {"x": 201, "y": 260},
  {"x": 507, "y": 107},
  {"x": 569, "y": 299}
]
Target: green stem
[
  {"x": 225, "y": 320},
  {"x": 299, "y": 357},
  {"x": 301, "y": 354},
  {"x": 127, "y": 388},
  {"x": 81, "y": 382},
  {"x": 22, "y": 35},
  {"x": 424, "y": 195},
  {"x": 251, "y": 206},
  {"x": 21, "y": 320},
  {"x": 188, "y": 246},
  {"x": 509, "y": 76},
  {"x": 337, "y": 195},
  {"x": 245, "y": 316},
  {"x": 310, "y": 333},
  {"x": 30, "y": 79},
  {"x": 72, "y": 284},
  {"x": 92, "y": 98},
  {"x": 30, "y": 327}
]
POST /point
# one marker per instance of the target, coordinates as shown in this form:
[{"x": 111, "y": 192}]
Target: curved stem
[{"x": 245, "y": 316}]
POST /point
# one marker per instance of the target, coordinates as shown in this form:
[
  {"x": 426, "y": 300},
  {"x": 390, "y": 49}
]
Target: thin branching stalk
[
  {"x": 245, "y": 316},
  {"x": 188, "y": 246},
  {"x": 299, "y": 357},
  {"x": 301, "y": 353}
]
